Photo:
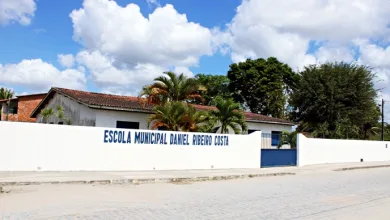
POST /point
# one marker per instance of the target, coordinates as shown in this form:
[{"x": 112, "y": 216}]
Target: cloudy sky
[{"x": 118, "y": 46}]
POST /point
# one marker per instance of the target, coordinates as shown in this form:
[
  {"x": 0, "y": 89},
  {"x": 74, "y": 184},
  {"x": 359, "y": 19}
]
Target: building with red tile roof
[
  {"x": 20, "y": 108},
  {"x": 116, "y": 111}
]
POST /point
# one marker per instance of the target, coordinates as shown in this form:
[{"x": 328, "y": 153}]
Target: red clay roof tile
[{"x": 118, "y": 102}]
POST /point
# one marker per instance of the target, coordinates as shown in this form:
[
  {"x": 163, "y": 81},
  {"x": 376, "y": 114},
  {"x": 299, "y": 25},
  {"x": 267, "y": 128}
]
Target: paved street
[{"x": 359, "y": 194}]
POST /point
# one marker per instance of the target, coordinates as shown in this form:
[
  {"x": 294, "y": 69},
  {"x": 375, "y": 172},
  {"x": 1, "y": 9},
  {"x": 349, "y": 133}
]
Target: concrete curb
[
  {"x": 363, "y": 167},
  {"x": 148, "y": 180}
]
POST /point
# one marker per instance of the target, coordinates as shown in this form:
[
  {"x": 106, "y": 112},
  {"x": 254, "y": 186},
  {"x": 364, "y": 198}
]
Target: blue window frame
[{"x": 275, "y": 135}]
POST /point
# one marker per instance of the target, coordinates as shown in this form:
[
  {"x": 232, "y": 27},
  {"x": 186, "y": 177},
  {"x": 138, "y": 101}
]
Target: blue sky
[
  {"x": 51, "y": 31},
  {"x": 110, "y": 47}
]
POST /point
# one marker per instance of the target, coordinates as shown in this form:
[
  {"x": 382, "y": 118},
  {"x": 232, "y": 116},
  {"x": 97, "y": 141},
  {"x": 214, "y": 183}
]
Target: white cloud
[
  {"x": 301, "y": 32},
  {"x": 81, "y": 69},
  {"x": 128, "y": 50},
  {"x": 378, "y": 58},
  {"x": 118, "y": 77},
  {"x": 374, "y": 55},
  {"x": 329, "y": 53},
  {"x": 182, "y": 69},
  {"x": 153, "y": 3},
  {"x": 164, "y": 37},
  {"x": 284, "y": 29},
  {"x": 66, "y": 60},
  {"x": 38, "y": 75},
  {"x": 20, "y": 11}
]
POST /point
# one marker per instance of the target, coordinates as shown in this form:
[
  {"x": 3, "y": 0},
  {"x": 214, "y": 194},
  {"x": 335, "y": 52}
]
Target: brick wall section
[
  {"x": 11, "y": 117},
  {"x": 26, "y": 105}
]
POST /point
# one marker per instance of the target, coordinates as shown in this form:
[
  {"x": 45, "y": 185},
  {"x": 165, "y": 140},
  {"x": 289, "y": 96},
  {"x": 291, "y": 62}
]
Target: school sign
[
  {"x": 78, "y": 148},
  {"x": 163, "y": 138}
]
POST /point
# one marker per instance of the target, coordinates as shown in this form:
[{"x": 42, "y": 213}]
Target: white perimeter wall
[
  {"x": 321, "y": 151},
  {"x": 33, "y": 147}
]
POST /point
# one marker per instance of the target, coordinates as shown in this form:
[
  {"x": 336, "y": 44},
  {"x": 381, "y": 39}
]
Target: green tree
[
  {"x": 46, "y": 114},
  {"x": 173, "y": 88},
  {"x": 5, "y": 94},
  {"x": 289, "y": 138},
  {"x": 262, "y": 85},
  {"x": 58, "y": 113},
  {"x": 216, "y": 85},
  {"x": 193, "y": 120},
  {"x": 371, "y": 127},
  {"x": 376, "y": 132},
  {"x": 176, "y": 116},
  {"x": 335, "y": 100},
  {"x": 226, "y": 118}
]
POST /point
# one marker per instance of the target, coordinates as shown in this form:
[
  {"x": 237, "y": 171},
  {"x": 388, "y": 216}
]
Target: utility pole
[{"x": 383, "y": 120}]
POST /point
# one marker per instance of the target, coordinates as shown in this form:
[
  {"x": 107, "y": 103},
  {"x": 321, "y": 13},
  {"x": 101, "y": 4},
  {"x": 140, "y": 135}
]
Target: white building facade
[{"x": 113, "y": 111}]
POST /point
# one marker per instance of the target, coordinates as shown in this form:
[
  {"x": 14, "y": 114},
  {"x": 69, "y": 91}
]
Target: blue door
[{"x": 278, "y": 157}]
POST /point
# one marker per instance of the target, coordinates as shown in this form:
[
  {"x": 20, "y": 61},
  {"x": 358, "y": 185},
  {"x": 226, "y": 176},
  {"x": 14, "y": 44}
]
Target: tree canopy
[
  {"x": 227, "y": 117},
  {"x": 172, "y": 87},
  {"x": 6, "y": 93},
  {"x": 216, "y": 85},
  {"x": 335, "y": 100},
  {"x": 177, "y": 116},
  {"x": 261, "y": 85}
]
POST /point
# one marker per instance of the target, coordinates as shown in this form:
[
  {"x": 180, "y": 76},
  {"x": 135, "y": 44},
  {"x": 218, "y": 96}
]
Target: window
[
  {"x": 162, "y": 129},
  {"x": 275, "y": 135},
  {"x": 127, "y": 124},
  {"x": 13, "y": 110},
  {"x": 13, "y": 107},
  {"x": 251, "y": 131}
]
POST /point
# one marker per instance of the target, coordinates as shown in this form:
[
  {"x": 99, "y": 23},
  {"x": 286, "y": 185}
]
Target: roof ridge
[
  {"x": 95, "y": 93},
  {"x": 121, "y": 102}
]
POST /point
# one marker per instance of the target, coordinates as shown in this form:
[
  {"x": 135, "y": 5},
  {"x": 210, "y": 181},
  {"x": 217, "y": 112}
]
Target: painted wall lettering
[{"x": 164, "y": 138}]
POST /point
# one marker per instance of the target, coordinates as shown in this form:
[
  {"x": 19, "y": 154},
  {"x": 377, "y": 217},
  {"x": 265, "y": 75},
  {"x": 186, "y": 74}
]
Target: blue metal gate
[{"x": 278, "y": 157}]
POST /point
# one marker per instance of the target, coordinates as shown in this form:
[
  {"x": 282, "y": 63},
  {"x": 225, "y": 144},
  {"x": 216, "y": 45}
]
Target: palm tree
[
  {"x": 60, "y": 112},
  {"x": 289, "y": 138},
  {"x": 151, "y": 95},
  {"x": 227, "y": 117},
  {"x": 168, "y": 116},
  {"x": 369, "y": 130},
  {"x": 172, "y": 87},
  {"x": 47, "y": 113},
  {"x": 5, "y": 94},
  {"x": 194, "y": 120},
  {"x": 177, "y": 116}
]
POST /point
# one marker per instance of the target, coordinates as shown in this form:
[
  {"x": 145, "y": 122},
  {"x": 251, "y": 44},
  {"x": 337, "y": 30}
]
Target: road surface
[{"x": 360, "y": 194}]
